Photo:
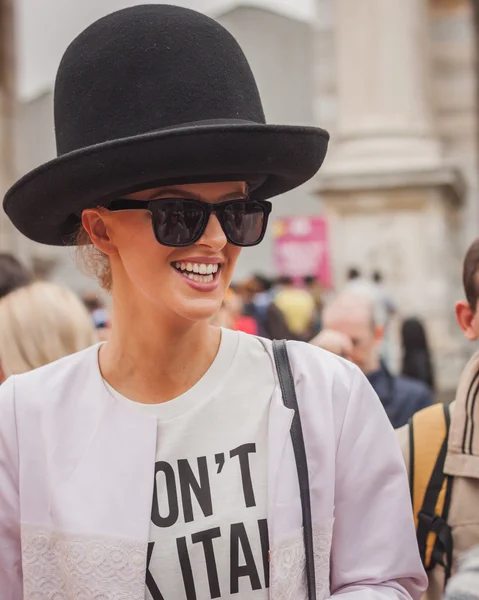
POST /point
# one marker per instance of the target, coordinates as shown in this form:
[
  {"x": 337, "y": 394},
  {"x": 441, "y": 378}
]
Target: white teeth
[
  {"x": 198, "y": 271},
  {"x": 200, "y": 278}
]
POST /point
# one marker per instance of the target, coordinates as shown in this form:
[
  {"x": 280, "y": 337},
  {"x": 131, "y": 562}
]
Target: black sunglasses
[{"x": 181, "y": 222}]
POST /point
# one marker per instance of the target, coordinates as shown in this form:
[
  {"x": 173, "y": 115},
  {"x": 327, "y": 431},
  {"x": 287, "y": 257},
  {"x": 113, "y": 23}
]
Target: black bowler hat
[{"x": 154, "y": 95}]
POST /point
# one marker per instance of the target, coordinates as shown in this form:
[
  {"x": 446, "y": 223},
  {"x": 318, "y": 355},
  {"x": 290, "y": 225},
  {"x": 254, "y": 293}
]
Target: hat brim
[{"x": 46, "y": 204}]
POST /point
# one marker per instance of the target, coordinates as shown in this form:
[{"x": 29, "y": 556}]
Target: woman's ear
[
  {"x": 465, "y": 317},
  {"x": 93, "y": 220}
]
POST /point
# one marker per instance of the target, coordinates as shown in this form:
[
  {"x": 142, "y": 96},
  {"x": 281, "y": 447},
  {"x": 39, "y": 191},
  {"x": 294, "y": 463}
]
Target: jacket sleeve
[
  {"x": 374, "y": 552},
  {"x": 10, "y": 546}
]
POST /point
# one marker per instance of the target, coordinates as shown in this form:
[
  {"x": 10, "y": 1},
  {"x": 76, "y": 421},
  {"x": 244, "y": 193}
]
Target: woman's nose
[{"x": 213, "y": 236}]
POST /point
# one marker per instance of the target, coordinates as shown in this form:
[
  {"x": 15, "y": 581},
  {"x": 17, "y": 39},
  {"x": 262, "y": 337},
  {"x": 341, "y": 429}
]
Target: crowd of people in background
[
  {"x": 47, "y": 321},
  {"x": 41, "y": 322},
  {"x": 355, "y": 322}
]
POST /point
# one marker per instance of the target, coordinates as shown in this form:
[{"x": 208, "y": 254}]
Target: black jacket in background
[{"x": 400, "y": 396}]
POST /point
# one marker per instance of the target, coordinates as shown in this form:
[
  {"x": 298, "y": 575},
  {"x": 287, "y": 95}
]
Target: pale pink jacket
[{"x": 76, "y": 485}]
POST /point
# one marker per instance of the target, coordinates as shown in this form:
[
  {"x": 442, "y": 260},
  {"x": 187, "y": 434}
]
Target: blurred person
[
  {"x": 271, "y": 323},
  {"x": 264, "y": 290},
  {"x": 224, "y": 317},
  {"x": 231, "y": 315},
  {"x": 240, "y": 321},
  {"x": 161, "y": 463},
  {"x": 388, "y": 309},
  {"x": 99, "y": 314},
  {"x": 297, "y": 306},
  {"x": 334, "y": 341},
  {"x": 440, "y": 446},
  {"x": 383, "y": 295},
  {"x": 314, "y": 287},
  {"x": 353, "y": 274},
  {"x": 359, "y": 285},
  {"x": 40, "y": 323},
  {"x": 353, "y": 315},
  {"x": 12, "y": 274},
  {"x": 97, "y": 309},
  {"x": 416, "y": 360}
]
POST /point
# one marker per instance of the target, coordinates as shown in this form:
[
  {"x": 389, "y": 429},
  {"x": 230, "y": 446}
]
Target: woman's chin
[{"x": 198, "y": 310}]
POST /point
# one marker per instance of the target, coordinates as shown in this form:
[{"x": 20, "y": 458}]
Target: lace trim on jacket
[
  {"x": 60, "y": 566},
  {"x": 288, "y": 565}
]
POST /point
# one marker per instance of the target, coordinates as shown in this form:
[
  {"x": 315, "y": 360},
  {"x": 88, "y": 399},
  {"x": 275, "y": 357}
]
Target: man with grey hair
[{"x": 354, "y": 315}]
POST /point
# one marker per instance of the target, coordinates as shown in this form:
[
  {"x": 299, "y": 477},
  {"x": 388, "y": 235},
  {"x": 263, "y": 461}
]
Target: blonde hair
[
  {"x": 40, "y": 323},
  {"x": 91, "y": 260}
]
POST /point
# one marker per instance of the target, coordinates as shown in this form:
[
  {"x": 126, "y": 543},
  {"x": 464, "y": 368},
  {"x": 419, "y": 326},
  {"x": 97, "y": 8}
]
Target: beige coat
[{"x": 462, "y": 462}]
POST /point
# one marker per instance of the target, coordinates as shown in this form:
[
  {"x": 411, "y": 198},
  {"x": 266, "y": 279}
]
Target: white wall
[{"x": 44, "y": 28}]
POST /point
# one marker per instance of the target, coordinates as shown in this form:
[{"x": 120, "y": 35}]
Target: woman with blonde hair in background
[{"x": 39, "y": 324}]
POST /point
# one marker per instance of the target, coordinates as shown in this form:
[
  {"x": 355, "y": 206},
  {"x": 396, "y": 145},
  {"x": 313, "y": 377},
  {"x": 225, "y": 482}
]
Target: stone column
[
  {"x": 391, "y": 202},
  {"x": 7, "y": 232},
  {"x": 383, "y": 87},
  {"x": 5, "y": 172}
]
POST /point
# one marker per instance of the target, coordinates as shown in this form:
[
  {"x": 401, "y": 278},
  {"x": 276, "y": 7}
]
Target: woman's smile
[{"x": 200, "y": 274}]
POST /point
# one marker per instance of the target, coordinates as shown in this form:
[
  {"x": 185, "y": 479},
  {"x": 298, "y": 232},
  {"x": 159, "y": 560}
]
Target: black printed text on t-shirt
[{"x": 187, "y": 485}]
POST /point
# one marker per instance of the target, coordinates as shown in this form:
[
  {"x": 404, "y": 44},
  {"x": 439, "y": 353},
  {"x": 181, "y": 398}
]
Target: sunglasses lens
[
  {"x": 178, "y": 222},
  {"x": 243, "y": 222}
]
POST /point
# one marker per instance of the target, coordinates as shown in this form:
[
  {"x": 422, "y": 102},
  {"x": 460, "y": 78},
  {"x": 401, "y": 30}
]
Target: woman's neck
[{"x": 152, "y": 357}]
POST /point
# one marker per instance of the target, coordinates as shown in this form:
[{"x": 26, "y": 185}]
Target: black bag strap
[
  {"x": 429, "y": 521},
  {"x": 286, "y": 381}
]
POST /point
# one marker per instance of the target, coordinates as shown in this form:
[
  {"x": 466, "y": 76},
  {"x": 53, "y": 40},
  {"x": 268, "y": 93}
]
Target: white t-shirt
[{"x": 209, "y": 535}]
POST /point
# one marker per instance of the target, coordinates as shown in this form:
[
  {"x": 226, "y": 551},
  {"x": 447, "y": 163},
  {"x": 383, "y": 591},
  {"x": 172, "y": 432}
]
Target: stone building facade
[
  {"x": 400, "y": 183},
  {"x": 393, "y": 81}
]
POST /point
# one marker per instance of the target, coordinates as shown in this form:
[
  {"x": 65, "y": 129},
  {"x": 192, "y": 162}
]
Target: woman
[
  {"x": 40, "y": 323},
  {"x": 416, "y": 356},
  {"x": 160, "y": 463}
]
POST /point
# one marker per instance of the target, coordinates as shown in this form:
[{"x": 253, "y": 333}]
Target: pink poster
[{"x": 301, "y": 248}]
